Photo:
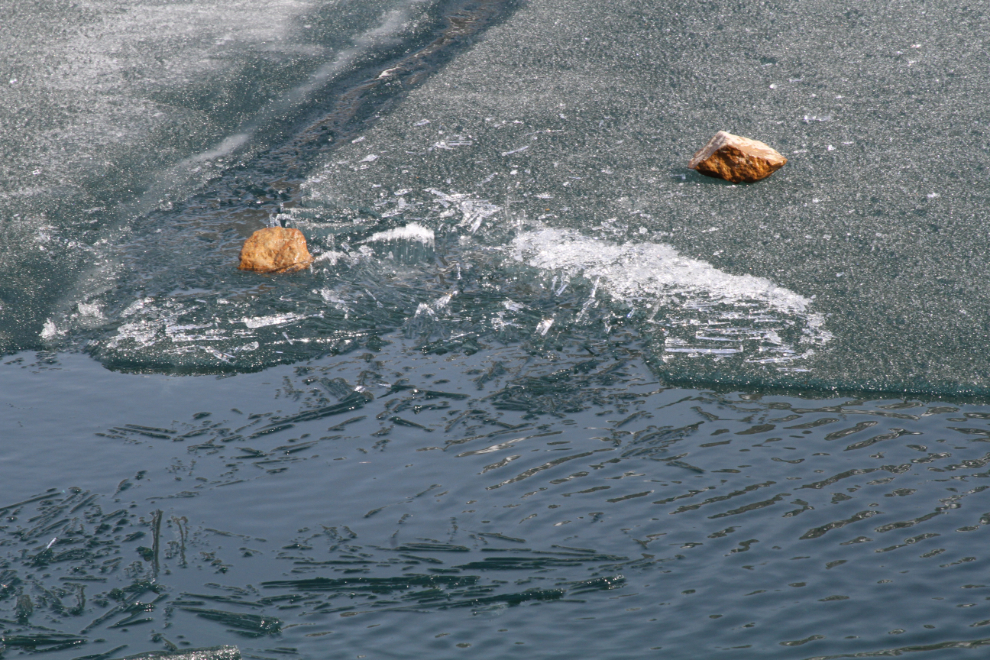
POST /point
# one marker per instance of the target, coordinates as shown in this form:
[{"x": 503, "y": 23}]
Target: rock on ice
[
  {"x": 275, "y": 250},
  {"x": 736, "y": 159}
]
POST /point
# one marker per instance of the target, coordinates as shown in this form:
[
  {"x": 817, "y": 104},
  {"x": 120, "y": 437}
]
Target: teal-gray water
[{"x": 544, "y": 389}]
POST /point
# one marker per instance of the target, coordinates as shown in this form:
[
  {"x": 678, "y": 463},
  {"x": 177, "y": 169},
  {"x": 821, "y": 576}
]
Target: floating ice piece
[
  {"x": 209, "y": 653},
  {"x": 223, "y": 357}
]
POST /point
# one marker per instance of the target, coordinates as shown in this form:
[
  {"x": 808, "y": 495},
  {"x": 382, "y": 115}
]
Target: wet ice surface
[
  {"x": 873, "y": 219},
  {"x": 112, "y": 110},
  {"x": 445, "y": 288},
  {"x": 335, "y": 507},
  {"x": 872, "y": 224}
]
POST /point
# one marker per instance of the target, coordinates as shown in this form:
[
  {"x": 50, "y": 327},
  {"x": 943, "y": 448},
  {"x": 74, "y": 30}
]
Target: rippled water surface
[
  {"x": 544, "y": 389},
  {"x": 398, "y": 505}
]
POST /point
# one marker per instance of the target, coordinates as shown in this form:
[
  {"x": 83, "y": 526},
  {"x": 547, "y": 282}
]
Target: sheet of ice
[
  {"x": 111, "y": 110},
  {"x": 109, "y": 69},
  {"x": 570, "y": 126}
]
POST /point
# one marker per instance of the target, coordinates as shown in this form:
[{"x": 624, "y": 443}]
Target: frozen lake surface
[{"x": 504, "y": 406}]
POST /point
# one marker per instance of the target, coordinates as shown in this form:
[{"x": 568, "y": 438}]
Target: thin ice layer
[{"x": 110, "y": 110}]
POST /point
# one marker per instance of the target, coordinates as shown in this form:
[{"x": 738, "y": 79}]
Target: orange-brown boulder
[
  {"x": 275, "y": 250},
  {"x": 736, "y": 159}
]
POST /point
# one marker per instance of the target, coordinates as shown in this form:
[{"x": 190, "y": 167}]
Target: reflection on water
[{"x": 366, "y": 489}]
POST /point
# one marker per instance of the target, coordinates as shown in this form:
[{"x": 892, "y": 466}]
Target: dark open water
[{"x": 544, "y": 387}]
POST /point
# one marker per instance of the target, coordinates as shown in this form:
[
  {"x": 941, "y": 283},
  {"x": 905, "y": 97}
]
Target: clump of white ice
[
  {"x": 412, "y": 232},
  {"x": 705, "y": 311},
  {"x": 49, "y": 331},
  {"x": 637, "y": 270}
]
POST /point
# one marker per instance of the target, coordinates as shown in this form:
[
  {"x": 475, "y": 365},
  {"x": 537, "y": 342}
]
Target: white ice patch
[
  {"x": 186, "y": 330},
  {"x": 705, "y": 311},
  {"x": 141, "y": 333},
  {"x": 90, "y": 309},
  {"x": 442, "y": 301},
  {"x": 49, "y": 331},
  {"x": 412, "y": 232},
  {"x": 87, "y": 315},
  {"x": 636, "y": 270},
  {"x": 333, "y": 298}
]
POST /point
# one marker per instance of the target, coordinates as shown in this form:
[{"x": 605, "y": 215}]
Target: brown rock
[
  {"x": 736, "y": 159},
  {"x": 275, "y": 250}
]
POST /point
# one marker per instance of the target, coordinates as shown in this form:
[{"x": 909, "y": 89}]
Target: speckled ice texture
[
  {"x": 109, "y": 110},
  {"x": 879, "y": 217},
  {"x": 566, "y": 116}
]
